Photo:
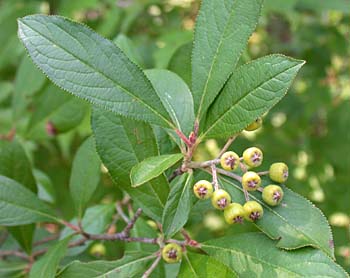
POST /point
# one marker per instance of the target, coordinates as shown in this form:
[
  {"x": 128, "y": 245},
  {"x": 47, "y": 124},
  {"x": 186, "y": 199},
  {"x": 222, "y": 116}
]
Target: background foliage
[{"x": 308, "y": 129}]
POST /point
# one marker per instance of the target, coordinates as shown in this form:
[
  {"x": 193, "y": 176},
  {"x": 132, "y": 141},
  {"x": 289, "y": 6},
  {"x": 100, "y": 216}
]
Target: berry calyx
[
  {"x": 253, "y": 211},
  {"x": 253, "y": 157},
  {"x": 278, "y": 172},
  {"x": 220, "y": 199},
  {"x": 272, "y": 195},
  {"x": 234, "y": 213},
  {"x": 251, "y": 181},
  {"x": 254, "y": 125},
  {"x": 172, "y": 253},
  {"x": 203, "y": 189},
  {"x": 229, "y": 161}
]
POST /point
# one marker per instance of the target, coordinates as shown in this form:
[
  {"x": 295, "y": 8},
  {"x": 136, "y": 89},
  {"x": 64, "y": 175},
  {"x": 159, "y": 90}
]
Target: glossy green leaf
[
  {"x": 180, "y": 62},
  {"x": 90, "y": 67},
  {"x": 296, "y": 222},
  {"x": 96, "y": 220},
  {"x": 202, "y": 266},
  {"x": 128, "y": 47},
  {"x": 10, "y": 47},
  {"x": 131, "y": 265},
  {"x": 29, "y": 80},
  {"x": 85, "y": 175},
  {"x": 152, "y": 167},
  {"x": 46, "y": 190},
  {"x": 175, "y": 96},
  {"x": 11, "y": 269},
  {"x": 15, "y": 164},
  {"x": 253, "y": 255},
  {"x": 121, "y": 144},
  {"x": 21, "y": 206},
  {"x": 46, "y": 266},
  {"x": 221, "y": 34},
  {"x": 253, "y": 89},
  {"x": 6, "y": 89},
  {"x": 178, "y": 206},
  {"x": 54, "y": 105}
]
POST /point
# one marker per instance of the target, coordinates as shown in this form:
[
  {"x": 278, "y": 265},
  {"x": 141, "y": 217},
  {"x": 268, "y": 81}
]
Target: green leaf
[
  {"x": 20, "y": 205},
  {"x": 128, "y": 47},
  {"x": 152, "y": 167},
  {"x": 178, "y": 206},
  {"x": 221, "y": 34},
  {"x": 95, "y": 221},
  {"x": 10, "y": 47},
  {"x": 253, "y": 255},
  {"x": 6, "y": 89},
  {"x": 121, "y": 144},
  {"x": 202, "y": 266},
  {"x": 180, "y": 62},
  {"x": 47, "y": 265},
  {"x": 15, "y": 164},
  {"x": 131, "y": 265},
  {"x": 60, "y": 108},
  {"x": 27, "y": 73},
  {"x": 85, "y": 175},
  {"x": 296, "y": 222},
  {"x": 175, "y": 96},
  {"x": 90, "y": 67},
  {"x": 46, "y": 190},
  {"x": 11, "y": 269},
  {"x": 320, "y": 6},
  {"x": 253, "y": 89}
]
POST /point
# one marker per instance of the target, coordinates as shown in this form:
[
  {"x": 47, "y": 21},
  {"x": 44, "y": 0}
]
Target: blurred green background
[{"x": 309, "y": 129}]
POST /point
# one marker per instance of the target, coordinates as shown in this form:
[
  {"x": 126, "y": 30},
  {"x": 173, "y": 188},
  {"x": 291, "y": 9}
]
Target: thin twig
[
  {"x": 246, "y": 195},
  {"x": 227, "y": 145},
  {"x": 152, "y": 267},
  {"x": 45, "y": 240},
  {"x": 14, "y": 253},
  {"x": 131, "y": 223},
  {"x": 215, "y": 177},
  {"x": 229, "y": 174},
  {"x": 260, "y": 189},
  {"x": 121, "y": 213},
  {"x": 243, "y": 167},
  {"x": 263, "y": 173},
  {"x": 203, "y": 164},
  {"x": 177, "y": 172}
]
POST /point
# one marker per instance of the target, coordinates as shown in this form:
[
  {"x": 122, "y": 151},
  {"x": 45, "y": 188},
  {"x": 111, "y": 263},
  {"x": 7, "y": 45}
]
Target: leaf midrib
[
  {"x": 101, "y": 73},
  {"x": 214, "y": 62},
  {"x": 29, "y": 209},
  {"x": 242, "y": 98}
]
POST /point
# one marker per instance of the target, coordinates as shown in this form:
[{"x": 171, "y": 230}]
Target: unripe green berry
[
  {"x": 251, "y": 181},
  {"x": 254, "y": 125},
  {"x": 278, "y": 172},
  {"x": 203, "y": 189},
  {"x": 234, "y": 213},
  {"x": 220, "y": 199},
  {"x": 229, "y": 161},
  {"x": 98, "y": 250},
  {"x": 272, "y": 194},
  {"x": 253, "y": 211},
  {"x": 172, "y": 253},
  {"x": 253, "y": 157}
]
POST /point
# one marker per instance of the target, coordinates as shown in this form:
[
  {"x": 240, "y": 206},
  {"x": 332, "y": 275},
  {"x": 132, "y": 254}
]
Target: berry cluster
[{"x": 251, "y": 181}]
